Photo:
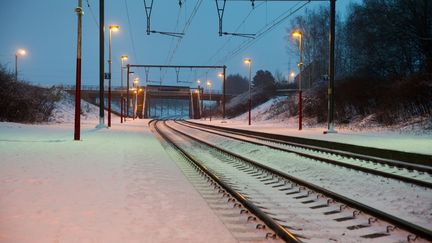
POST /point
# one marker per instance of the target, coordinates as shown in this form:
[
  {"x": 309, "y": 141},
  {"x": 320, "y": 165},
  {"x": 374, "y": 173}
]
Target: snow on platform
[
  {"x": 370, "y": 138},
  {"x": 116, "y": 185}
]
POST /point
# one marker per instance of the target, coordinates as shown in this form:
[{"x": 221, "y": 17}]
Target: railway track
[
  {"x": 294, "y": 209},
  {"x": 411, "y": 172}
]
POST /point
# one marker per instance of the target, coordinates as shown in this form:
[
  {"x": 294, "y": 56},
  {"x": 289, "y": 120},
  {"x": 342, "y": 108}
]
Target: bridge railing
[{"x": 116, "y": 88}]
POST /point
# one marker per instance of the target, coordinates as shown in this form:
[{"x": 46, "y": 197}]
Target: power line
[
  {"x": 231, "y": 37},
  {"x": 172, "y": 39},
  {"x": 130, "y": 32},
  {"x": 246, "y": 44},
  {"x": 92, "y": 14},
  {"x": 185, "y": 28}
]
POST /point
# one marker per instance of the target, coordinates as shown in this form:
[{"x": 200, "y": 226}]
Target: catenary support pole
[
  {"x": 109, "y": 78},
  {"x": 77, "y": 131},
  {"x": 101, "y": 64},
  {"x": 127, "y": 90},
  {"x": 330, "y": 92},
  {"x": 300, "y": 108},
  {"x": 224, "y": 92}
]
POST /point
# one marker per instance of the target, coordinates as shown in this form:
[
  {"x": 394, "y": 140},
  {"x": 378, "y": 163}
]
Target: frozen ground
[
  {"x": 116, "y": 185},
  {"x": 414, "y": 140}
]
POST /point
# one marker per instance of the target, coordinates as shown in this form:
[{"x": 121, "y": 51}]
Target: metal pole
[
  {"x": 210, "y": 102},
  {"x": 127, "y": 91},
  {"x": 16, "y": 67},
  {"x": 77, "y": 131},
  {"x": 121, "y": 92},
  {"x": 136, "y": 101},
  {"x": 330, "y": 122},
  {"x": 300, "y": 108},
  {"x": 250, "y": 98},
  {"x": 224, "y": 93},
  {"x": 101, "y": 63},
  {"x": 109, "y": 80}
]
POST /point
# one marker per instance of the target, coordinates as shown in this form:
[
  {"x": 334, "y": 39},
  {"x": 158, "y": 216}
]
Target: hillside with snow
[
  {"x": 64, "y": 110},
  {"x": 276, "y": 111}
]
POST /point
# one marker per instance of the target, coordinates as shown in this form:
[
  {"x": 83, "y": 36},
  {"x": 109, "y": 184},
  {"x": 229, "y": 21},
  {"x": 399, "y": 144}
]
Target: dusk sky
[{"x": 47, "y": 30}]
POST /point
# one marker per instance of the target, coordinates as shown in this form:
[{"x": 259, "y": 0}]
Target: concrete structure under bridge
[{"x": 154, "y": 101}]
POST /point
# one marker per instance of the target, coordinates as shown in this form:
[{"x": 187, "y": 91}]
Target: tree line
[{"x": 378, "y": 38}]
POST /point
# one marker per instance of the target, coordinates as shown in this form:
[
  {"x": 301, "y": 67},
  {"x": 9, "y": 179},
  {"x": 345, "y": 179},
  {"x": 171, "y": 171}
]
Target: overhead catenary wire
[
  {"x": 130, "y": 32},
  {"x": 92, "y": 14},
  {"x": 185, "y": 29},
  {"x": 188, "y": 23},
  {"x": 246, "y": 44},
  {"x": 231, "y": 36}
]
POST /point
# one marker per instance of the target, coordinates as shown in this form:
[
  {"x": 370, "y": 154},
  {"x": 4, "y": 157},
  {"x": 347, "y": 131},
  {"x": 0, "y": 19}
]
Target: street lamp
[
  {"x": 292, "y": 75},
  {"x": 122, "y": 58},
  {"x": 20, "y": 52},
  {"x": 135, "y": 82},
  {"x": 112, "y": 28},
  {"x": 249, "y": 62},
  {"x": 300, "y": 64},
  {"x": 200, "y": 104},
  {"x": 209, "y": 86}
]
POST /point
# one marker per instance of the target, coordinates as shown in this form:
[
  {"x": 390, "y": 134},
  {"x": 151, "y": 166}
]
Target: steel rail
[
  {"x": 314, "y": 157},
  {"x": 406, "y": 160},
  {"x": 401, "y": 223},
  {"x": 282, "y": 232}
]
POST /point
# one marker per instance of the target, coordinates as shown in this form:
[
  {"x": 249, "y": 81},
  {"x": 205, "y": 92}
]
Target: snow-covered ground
[
  {"x": 403, "y": 200},
  {"x": 410, "y": 140},
  {"x": 116, "y": 185}
]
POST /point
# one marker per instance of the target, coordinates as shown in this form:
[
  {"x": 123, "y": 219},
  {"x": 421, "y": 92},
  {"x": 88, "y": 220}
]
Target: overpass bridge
[{"x": 154, "y": 101}]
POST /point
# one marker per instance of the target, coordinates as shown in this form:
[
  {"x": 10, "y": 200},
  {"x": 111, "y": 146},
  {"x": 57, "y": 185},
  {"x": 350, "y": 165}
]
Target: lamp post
[
  {"x": 112, "y": 28},
  {"x": 122, "y": 58},
  {"x": 300, "y": 64},
  {"x": 135, "y": 82},
  {"x": 249, "y": 62},
  {"x": 77, "y": 122},
  {"x": 209, "y": 86},
  {"x": 222, "y": 76},
  {"x": 20, "y": 52},
  {"x": 200, "y": 104}
]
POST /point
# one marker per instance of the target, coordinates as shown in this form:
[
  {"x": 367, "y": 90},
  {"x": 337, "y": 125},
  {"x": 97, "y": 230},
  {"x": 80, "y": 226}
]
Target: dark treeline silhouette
[
  {"x": 262, "y": 89},
  {"x": 383, "y": 61},
  {"x": 379, "y": 38},
  {"x": 236, "y": 84},
  {"x": 22, "y": 102}
]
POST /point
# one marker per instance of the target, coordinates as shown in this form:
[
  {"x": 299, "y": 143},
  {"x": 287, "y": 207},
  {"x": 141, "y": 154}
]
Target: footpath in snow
[{"x": 116, "y": 185}]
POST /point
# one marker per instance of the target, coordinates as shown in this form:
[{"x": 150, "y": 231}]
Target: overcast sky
[{"x": 47, "y": 29}]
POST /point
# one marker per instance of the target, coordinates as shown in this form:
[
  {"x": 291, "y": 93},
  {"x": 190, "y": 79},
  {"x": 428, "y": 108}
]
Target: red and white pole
[
  {"x": 77, "y": 131},
  {"x": 121, "y": 109}
]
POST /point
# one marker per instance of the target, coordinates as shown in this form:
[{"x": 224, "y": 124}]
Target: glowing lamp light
[
  {"x": 124, "y": 58},
  {"x": 220, "y": 75},
  {"x": 297, "y": 33},
  {"x": 114, "y": 28},
  {"x": 22, "y": 52},
  {"x": 247, "y": 60},
  {"x": 292, "y": 74},
  {"x": 209, "y": 83},
  {"x": 198, "y": 81}
]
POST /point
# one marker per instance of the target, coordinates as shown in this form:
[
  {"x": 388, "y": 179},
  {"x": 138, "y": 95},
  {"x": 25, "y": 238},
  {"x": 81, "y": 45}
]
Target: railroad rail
[
  {"x": 281, "y": 182},
  {"x": 408, "y": 159},
  {"x": 408, "y": 172}
]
